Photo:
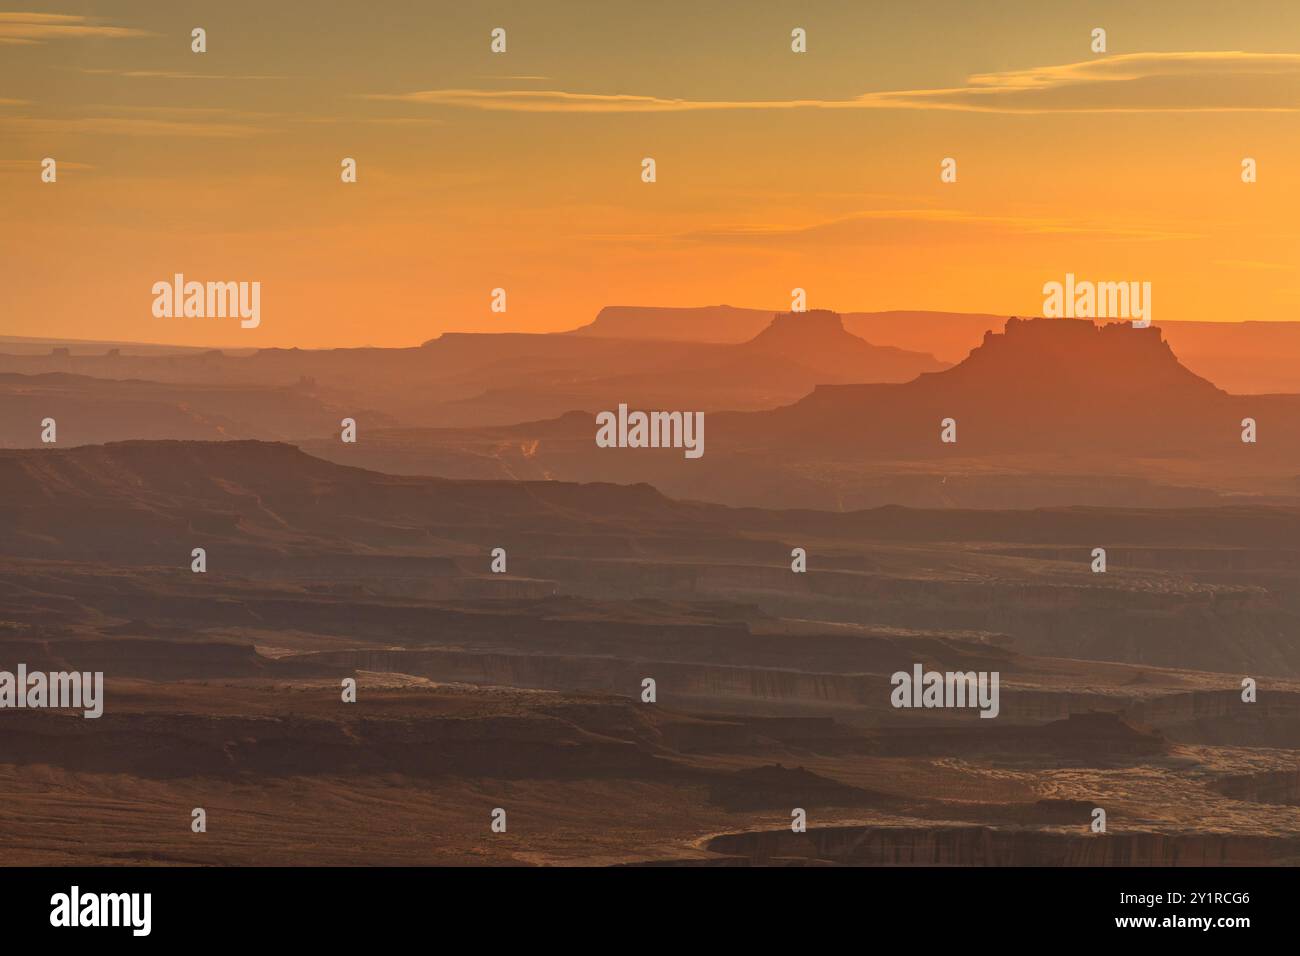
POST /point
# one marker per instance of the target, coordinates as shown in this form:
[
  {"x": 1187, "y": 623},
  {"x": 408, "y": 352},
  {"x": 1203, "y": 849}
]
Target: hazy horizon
[
  {"x": 521, "y": 170},
  {"x": 236, "y": 345}
]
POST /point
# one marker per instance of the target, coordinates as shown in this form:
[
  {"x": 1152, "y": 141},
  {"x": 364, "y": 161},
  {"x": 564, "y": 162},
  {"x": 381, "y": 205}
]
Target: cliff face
[
  {"x": 169, "y": 745},
  {"x": 135, "y": 501},
  {"x": 983, "y": 846}
]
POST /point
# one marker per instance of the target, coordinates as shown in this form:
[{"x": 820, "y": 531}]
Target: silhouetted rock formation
[
  {"x": 819, "y": 340},
  {"x": 1057, "y": 385}
]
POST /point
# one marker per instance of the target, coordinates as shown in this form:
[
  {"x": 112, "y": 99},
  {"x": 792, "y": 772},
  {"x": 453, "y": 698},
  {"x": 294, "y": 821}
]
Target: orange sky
[{"x": 522, "y": 170}]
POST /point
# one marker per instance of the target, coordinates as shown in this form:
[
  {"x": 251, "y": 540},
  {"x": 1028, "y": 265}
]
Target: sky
[{"x": 522, "y": 170}]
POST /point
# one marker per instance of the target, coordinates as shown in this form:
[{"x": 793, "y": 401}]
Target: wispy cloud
[
  {"x": 27, "y": 29},
  {"x": 33, "y": 165},
  {"x": 203, "y": 122},
  {"x": 186, "y": 112},
  {"x": 1254, "y": 264},
  {"x": 412, "y": 121},
  {"x": 127, "y": 126},
  {"x": 176, "y": 75},
  {"x": 880, "y": 226},
  {"x": 1225, "y": 81},
  {"x": 557, "y": 101}
]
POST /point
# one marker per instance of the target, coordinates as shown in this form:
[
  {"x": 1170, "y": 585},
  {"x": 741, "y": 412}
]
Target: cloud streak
[
  {"x": 887, "y": 226},
  {"x": 33, "y": 165},
  {"x": 175, "y": 75},
  {"x": 126, "y": 126},
  {"x": 1191, "y": 82},
  {"x": 30, "y": 29}
]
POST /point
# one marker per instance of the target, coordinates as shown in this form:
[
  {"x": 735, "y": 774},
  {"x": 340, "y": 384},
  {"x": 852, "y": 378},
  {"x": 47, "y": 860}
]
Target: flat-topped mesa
[
  {"x": 818, "y": 340},
  {"x": 1045, "y": 358},
  {"x": 1038, "y": 385},
  {"x": 1078, "y": 338},
  {"x": 1078, "y": 332},
  {"x": 803, "y": 327},
  {"x": 1057, "y": 353}
]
